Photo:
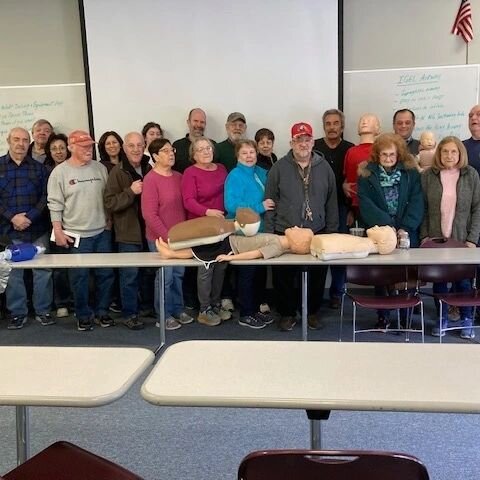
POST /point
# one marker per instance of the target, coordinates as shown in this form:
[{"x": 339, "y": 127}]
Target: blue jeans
[
  {"x": 460, "y": 287},
  {"x": 173, "y": 277},
  {"x": 129, "y": 280},
  {"x": 101, "y": 243},
  {"x": 16, "y": 294}
]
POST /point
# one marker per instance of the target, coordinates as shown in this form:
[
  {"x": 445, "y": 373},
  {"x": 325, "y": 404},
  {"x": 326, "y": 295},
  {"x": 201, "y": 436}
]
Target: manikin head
[
  {"x": 368, "y": 125},
  {"x": 384, "y": 239},
  {"x": 299, "y": 239},
  {"x": 247, "y": 221},
  {"x": 427, "y": 140}
]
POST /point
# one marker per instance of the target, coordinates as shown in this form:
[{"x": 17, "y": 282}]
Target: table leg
[
  {"x": 23, "y": 434},
  {"x": 161, "y": 312},
  {"x": 304, "y": 305},
  {"x": 316, "y": 417}
]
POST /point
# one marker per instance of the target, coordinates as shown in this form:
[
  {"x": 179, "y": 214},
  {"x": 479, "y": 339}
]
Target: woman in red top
[{"x": 202, "y": 192}]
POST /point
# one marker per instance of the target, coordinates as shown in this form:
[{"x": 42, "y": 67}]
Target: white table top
[
  {"x": 413, "y": 256},
  {"x": 318, "y": 376},
  {"x": 69, "y": 376}
]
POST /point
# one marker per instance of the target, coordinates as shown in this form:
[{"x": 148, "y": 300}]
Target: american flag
[{"x": 463, "y": 21}]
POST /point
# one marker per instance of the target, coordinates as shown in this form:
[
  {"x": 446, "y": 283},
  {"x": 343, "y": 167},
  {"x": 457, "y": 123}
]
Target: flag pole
[{"x": 466, "y": 55}]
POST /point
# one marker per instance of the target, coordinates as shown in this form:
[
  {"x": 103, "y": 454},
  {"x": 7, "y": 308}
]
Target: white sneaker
[
  {"x": 62, "y": 312},
  {"x": 227, "y": 304},
  {"x": 264, "y": 308},
  {"x": 223, "y": 313},
  {"x": 184, "y": 318},
  {"x": 172, "y": 324}
]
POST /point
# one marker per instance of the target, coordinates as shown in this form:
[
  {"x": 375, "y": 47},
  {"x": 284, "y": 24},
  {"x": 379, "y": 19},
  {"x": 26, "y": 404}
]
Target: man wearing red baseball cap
[
  {"x": 302, "y": 185},
  {"x": 75, "y": 200}
]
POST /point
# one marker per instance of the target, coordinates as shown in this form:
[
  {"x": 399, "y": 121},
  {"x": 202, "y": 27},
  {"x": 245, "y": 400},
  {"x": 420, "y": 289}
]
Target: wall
[{"x": 393, "y": 34}]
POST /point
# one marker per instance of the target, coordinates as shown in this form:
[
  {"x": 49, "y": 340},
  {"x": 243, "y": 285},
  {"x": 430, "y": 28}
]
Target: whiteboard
[
  {"x": 64, "y": 106},
  {"x": 441, "y": 98}
]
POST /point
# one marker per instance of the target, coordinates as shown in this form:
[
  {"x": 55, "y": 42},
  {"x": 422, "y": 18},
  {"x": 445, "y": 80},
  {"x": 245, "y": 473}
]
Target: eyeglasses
[
  {"x": 305, "y": 139},
  {"x": 168, "y": 150},
  {"x": 204, "y": 149},
  {"x": 132, "y": 146},
  {"x": 385, "y": 155}
]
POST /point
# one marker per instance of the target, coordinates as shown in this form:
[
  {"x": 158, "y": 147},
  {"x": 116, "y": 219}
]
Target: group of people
[{"x": 144, "y": 185}]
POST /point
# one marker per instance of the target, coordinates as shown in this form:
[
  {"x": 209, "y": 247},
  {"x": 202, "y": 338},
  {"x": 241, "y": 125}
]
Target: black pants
[{"x": 287, "y": 298}]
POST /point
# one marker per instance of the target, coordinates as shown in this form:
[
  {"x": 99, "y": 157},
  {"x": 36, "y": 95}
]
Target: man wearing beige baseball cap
[{"x": 75, "y": 200}]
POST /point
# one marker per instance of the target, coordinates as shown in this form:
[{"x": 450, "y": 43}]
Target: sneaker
[
  {"x": 134, "y": 323},
  {"x": 209, "y": 317},
  {"x": 266, "y": 317},
  {"x": 227, "y": 304},
  {"x": 172, "y": 324},
  {"x": 264, "y": 308},
  {"x": 251, "y": 321},
  {"x": 148, "y": 312},
  {"x": 184, "y": 318},
  {"x": 453, "y": 313},
  {"x": 314, "y": 322},
  {"x": 84, "y": 324},
  {"x": 286, "y": 323},
  {"x": 115, "y": 307},
  {"x": 105, "y": 321},
  {"x": 382, "y": 323},
  {"x": 467, "y": 332},
  {"x": 62, "y": 312},
  {"x": 223, "y": 313},
  {"x": 436, "y": 332},
  {"x": 17, "y": 322},
  {"x": 45, "y": 319}
]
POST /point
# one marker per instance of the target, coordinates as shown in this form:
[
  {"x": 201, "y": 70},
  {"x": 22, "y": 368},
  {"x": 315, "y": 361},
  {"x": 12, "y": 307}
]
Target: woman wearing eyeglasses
[
  {"x": 162, "y": 208},
  {"x": 202, "y": 191},
  {"x": 390, "y": 193},
  {"x": 56, "y": 150}
]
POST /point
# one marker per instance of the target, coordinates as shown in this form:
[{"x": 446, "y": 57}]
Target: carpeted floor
[{"x": 205, "y": 443}]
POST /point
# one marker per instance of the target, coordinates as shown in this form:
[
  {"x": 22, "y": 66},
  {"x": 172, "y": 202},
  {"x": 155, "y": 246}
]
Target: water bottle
[
  {"x": 403, "y": 240},
  {"x": 21, "y": 252}
]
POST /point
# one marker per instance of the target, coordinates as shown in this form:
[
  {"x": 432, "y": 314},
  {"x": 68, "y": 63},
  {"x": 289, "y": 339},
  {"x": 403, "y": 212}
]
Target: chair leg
[
  {"x": 422, "y": 320},
  {"x": 354, "y": 319},
  {"x": 341, "y": 318},
  {"x": 440, "y": 322}
]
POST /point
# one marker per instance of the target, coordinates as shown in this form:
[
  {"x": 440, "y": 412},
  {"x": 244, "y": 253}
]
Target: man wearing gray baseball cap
[{"x": 236, "y": 127}]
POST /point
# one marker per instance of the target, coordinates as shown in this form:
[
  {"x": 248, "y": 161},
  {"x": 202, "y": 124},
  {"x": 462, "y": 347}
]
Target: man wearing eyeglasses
[
  {"x": 75, "y": 200},
  {"x": 303, "y": 187},
  {"x": 122, "y": 200}
]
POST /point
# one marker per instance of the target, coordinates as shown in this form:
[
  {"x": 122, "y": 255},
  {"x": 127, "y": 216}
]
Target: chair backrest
[
  {"x": 330, "y": 465},
  {"x": 376, "y": 274},
  {"x": 66, "y": 461},
  {"x": 445, "y": 273}
]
